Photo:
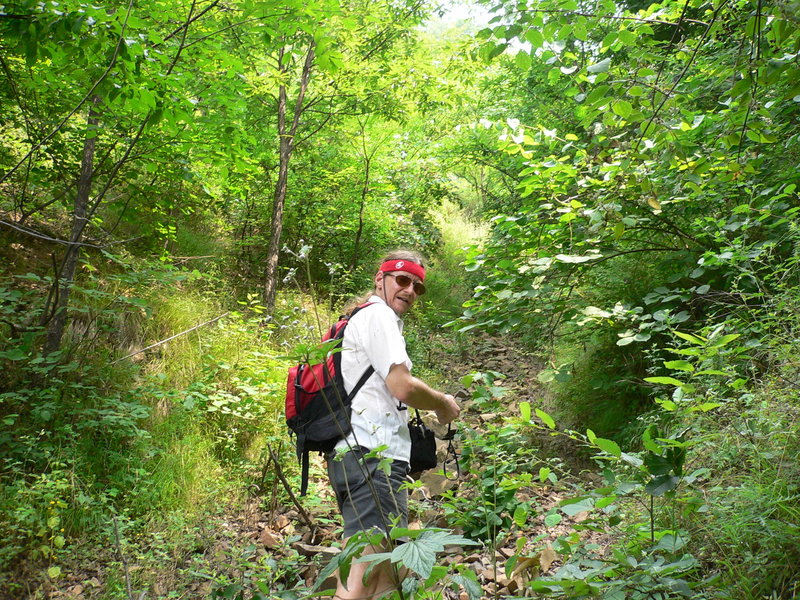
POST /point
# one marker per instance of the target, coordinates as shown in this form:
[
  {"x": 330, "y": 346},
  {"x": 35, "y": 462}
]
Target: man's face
[{"x": 400, "y": 299}]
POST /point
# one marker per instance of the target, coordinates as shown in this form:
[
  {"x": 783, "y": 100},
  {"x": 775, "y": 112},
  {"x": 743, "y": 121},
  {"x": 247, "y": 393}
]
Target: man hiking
[{"x": 368, "y": 498}]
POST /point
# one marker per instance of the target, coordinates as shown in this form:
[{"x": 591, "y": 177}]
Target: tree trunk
[
  {"x": 66, "y": 274},
  {"x": 286, "y": 146},
  {"x": 362, "y": 205}
]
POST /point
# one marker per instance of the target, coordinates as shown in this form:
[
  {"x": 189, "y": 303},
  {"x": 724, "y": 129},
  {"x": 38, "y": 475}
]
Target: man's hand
[{"x": 448, "y": 411}]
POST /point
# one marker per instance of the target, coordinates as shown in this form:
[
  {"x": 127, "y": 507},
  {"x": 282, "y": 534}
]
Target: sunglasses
[{"x": 404, "y": 281}]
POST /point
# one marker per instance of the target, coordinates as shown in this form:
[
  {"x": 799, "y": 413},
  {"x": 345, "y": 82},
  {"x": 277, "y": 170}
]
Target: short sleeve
[{"x": 378, "y": 334}]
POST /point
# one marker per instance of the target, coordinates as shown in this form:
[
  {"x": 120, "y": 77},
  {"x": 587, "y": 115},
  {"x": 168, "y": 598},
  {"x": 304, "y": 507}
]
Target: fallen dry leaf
[{"x": 547, "y": 558}]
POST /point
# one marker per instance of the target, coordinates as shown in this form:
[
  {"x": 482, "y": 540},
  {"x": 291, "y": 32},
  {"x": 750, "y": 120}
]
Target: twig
[
  {"x": 123, "y": 559},
  {"x": 287, "y": 487},
  {"x": 47, "y": 238},
  {"x": 172, "y": 337}
]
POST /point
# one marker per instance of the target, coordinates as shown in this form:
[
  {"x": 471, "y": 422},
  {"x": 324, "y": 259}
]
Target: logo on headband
[{"x": 400, "y": 264}]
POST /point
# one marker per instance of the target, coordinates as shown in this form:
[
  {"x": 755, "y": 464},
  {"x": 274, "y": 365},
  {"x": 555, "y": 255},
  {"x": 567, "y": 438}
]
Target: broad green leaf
[
  {"x": 525, "y": 410},
  {"x": 546, "y": 419},
  {"x": 622, "y": 108},
  {"x": 604, "y": 502},
  {"x": 520, "y": 516},
  {"x": 573, "y": 506},
  {"x": 627, "y": 37},
  {"x": 417, "y": 555},
  {"x": 535, "y": 37},
  {"x": 600, "y": 67},
  {"x": 679, "y": 365},
  {"x": 694, "y": 339},
  {"x": 523, "y": 60},
  {"x": 552, "y": 520},
  {"x": 726, "y": 339},
  {"x": 609, "y": 446},
  {"x": 662, "y": 484}
]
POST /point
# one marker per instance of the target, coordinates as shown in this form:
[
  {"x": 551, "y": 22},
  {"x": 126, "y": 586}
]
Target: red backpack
[{"x": 317, "y": 405}]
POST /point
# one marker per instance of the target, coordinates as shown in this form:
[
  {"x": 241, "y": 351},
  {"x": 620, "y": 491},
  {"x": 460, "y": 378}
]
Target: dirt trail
[
  {"x": 264, "y": 541},
  {"x": 489, "y": 561}
]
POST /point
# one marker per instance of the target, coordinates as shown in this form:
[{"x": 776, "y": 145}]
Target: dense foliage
[{"x": 189, "y": 188}]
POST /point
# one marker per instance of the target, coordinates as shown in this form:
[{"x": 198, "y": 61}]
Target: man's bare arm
[{"x": 418, "y": 394}]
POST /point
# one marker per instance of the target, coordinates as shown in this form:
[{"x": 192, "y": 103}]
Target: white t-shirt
[{"x": 374, "y": 336}]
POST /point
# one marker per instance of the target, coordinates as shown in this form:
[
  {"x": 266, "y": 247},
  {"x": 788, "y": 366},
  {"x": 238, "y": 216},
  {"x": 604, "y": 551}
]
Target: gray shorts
[{"x": 368, "y": 498}]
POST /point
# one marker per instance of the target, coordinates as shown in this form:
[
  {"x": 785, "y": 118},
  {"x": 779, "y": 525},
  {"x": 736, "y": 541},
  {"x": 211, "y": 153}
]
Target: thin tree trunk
[
  {"x": 360, "y": 230},
  {"x": 66, "y": 274},
  {"x": 286, "y": 146}
]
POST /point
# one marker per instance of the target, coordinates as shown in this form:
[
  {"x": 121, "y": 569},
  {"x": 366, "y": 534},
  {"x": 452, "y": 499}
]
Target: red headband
[{"x": 404, "y": 265}]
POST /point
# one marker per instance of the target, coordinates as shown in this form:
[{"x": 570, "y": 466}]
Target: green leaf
[
  {"x": 546, "y": 419},
  {"x": 608, "y": 446},
  {"x": 552, "y": 520},
  {"x": 54, "y": 572},
  {"x": 713, "y": 372},
  {"x": 597, "y": 94},
  {"x": 662, "y": 484},
  {"x": 418, "y": 555},
  {"x": 599, "y": 67},
  {"x": 691, "y": 338},
  {"x": 679, "y": 365},
  {"x": 468, "y": 580},
  {"x": 523, "y": 60},
  {"x": 665, "y": 381},
  {"x": 726, "y": 339},
  {"x": 535, "y": 37},
  {"x": 657, "y": 464},
  {"x": 525, "y": 410},
  {"x": 627, "y": 37},
  {"x": 622, "y": 108}
]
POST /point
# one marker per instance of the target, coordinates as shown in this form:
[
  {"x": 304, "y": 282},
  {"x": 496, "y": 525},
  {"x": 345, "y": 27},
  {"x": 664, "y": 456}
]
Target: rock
[
  {"x": 328, "y": 584},
  {"x": 270, "y": 539},
  {"x": 310, "y": 550},
  {"x": 435, "y": 483},
  {"x": 281, "y": 522},
  {"x": 472, "y": 558}
]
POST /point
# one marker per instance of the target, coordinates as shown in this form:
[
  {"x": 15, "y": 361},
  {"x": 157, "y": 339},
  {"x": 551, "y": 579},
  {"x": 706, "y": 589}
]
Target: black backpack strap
[
  {"x": 304, "y": 474},
  {"x": 367, "y": 374}
]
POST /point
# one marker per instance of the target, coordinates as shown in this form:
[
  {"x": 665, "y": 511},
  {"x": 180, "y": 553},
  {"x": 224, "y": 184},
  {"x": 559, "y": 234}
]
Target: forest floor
[{"x": 260, "y": 540}]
